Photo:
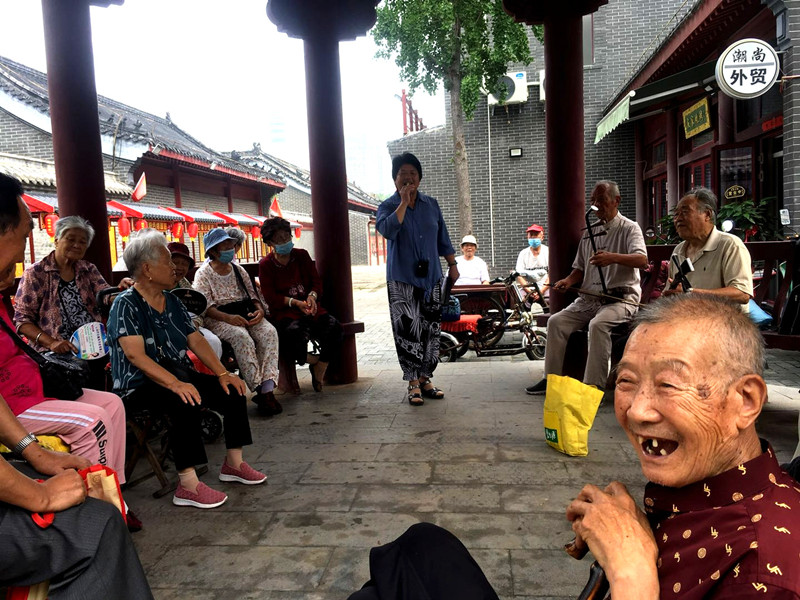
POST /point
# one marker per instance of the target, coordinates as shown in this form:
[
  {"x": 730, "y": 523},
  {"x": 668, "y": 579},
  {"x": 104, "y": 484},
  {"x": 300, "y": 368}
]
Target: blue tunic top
[
  {"x": 421, "y": 236},
  {"x": 164, "y": 335}
]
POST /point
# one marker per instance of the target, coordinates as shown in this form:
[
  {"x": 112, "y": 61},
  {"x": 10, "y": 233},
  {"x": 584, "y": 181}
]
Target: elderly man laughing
[{"x": 720, "y": 517}]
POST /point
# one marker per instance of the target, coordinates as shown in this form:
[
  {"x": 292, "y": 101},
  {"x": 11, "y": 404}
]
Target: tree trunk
[{"x": 459, "y": 144}]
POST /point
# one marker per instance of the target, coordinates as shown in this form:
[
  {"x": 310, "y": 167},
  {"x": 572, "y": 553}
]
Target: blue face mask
[
  {"x": 284, "y": 249},
  {"x": 534, "y": 242},
  {"x": 226, "y": 256}
]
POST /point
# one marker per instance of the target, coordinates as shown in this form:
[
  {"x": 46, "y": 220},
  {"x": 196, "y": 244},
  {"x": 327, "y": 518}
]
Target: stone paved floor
[{"x": 355, "y": 466}]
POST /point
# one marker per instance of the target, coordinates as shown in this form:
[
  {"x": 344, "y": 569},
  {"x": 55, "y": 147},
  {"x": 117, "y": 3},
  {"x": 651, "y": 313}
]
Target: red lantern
[
  {"x": 255, "y": 231},
  {"x": 297, "y": 232},
  {"x": 192, "y": 230},
  {"x": 50, "y": 225},
  {"x": 124, "y": 228},
  {"x": 140, "y": 224},
  {"x": 176, "y": 230}
]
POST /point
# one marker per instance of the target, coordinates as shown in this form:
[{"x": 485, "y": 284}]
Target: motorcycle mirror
[{"x": 727, "y": 225}]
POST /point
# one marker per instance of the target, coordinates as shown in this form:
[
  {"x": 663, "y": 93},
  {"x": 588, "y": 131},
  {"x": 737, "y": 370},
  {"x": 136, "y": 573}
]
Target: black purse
[
  {"x": 243, "y": 308},
  {"x": 63, "y": 376}
]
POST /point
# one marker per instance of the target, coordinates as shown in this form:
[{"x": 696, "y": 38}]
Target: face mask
[
  {"x": 534, "y": 242},
  {"x": 284, "y": 249},
  {"x": 226, "y": 256}
]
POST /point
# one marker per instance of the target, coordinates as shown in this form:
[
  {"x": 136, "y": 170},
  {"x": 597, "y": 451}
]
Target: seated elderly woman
[
  {"x": 183, "y": 264},
  {"x": 150, "y": 333},
  {"x": 93, "y": 426},
  {"x": 236, "y": 315},
  {"x": 58, "y": 294},
  {"x": 292, "y": 287}
]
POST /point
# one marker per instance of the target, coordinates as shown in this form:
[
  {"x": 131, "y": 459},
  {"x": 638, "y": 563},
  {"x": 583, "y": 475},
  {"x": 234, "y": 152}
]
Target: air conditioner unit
[
  {"x": 541, "y": 85},
  {"x": 516, "y": 84}
]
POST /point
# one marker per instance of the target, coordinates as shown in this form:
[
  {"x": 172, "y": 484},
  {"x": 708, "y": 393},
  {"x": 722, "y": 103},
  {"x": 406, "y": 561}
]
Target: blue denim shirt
[{"x": 422, "y": 235}]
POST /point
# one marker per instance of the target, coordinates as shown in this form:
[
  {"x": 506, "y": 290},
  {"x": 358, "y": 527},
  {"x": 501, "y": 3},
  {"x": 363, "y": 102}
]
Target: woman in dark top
[
  {"x": 292, "y": 287},
  {"x": 150, "y": 333},
  {"x": 417, "y": 236}
]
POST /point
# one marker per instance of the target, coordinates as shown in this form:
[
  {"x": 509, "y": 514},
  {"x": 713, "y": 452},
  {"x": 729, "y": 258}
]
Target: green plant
[
  {"x": 665, "y": 231},
  {"x": 751, "y": 220}
]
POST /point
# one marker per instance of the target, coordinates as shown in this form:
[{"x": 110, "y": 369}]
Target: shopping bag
[
  {"x": 102, "y": 483},
  {"x": 569, "y": 410}
]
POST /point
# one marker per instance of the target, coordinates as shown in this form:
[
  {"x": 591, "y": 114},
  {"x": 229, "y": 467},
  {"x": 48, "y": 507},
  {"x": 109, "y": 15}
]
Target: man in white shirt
[
  {"x": 533, "y": 260},
  {"x": 472, "y": 270}
]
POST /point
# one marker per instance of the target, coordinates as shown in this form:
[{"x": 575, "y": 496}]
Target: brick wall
[
  {"x": 160, "y": 195},
  {"x": 18, "y": 137},
  {"x": 359, "y": 238},
  {"x": 295, "y": 200},
  {"x": 199, "y": 201},
  {"x": 622, "y": 30},
  {"x": 791, "y": 114}
]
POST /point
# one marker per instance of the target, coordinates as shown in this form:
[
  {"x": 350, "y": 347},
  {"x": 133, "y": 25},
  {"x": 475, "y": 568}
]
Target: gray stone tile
[
  {"x": 428, "y": 498},
  {"x": 548, "y": 573},
  {"x": 241, "y": 567},
  {"x": 344, "y": 530},
  {"x": 371, "y": 472}
]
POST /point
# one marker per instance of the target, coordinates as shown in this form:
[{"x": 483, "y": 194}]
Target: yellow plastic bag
[{"x": 569, "y": 409}]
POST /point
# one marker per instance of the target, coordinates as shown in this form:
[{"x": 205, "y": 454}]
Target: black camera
[{"x": 421, "y": 268}]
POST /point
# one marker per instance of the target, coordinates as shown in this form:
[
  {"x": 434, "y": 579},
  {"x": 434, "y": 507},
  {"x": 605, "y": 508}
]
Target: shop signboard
[
  {"x": 696, "y": 119},
  {"x": 747, "y": 68}
]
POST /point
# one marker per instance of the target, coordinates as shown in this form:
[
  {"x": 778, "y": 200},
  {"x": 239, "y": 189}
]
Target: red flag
[
  {"x": 140, "y": 191},
  {"x": 275, "y": 207}
]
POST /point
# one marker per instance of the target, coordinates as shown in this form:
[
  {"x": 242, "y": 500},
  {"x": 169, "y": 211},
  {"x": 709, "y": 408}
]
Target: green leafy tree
[{"x": 465, "y": 45}]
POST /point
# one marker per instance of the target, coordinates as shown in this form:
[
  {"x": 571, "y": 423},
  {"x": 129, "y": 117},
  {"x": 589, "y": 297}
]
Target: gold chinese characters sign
[{"x": 696, "y": 118}]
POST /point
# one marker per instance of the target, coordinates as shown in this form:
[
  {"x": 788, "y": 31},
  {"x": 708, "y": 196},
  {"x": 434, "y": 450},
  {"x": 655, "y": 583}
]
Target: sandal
[
  {"x": 415, "y": 399},
  {"x": 431, "y": 392}
]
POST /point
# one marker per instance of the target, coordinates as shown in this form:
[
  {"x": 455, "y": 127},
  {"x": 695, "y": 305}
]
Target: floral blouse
[{"x": 37, "y": 299}]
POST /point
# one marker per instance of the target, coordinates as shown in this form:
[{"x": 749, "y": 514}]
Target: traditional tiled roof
[
  {"x": 146, "y": 211},
  {"x": 34, "y": 172},
  {"x": 200, "y": 216},
  {"x": 124, "y": 124},
  {"x": 260, "y": 159}
]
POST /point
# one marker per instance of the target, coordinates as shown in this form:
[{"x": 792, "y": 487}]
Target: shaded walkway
[{"x": 355, "y": 466}]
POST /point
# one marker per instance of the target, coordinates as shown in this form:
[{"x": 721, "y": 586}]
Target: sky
[{"x": 229, "y": 78}]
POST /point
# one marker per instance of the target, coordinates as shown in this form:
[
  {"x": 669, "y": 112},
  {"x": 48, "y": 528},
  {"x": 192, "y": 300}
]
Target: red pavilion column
[
  {"x": 322, "y": 26},
  {"x": 566, "y": 190},
  {"x": 74, "y": 119}
]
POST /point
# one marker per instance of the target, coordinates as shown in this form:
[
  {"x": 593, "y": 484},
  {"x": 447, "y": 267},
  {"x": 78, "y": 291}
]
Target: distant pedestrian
[
  {"x": 534, "y": 260},
  {"x": 417, "y": 236},
  {"x": 472, "y": 269}
]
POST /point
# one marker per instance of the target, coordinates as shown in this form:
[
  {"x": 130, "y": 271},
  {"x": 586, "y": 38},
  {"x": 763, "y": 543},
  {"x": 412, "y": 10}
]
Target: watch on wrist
[
  {"x": 24, "y": 443},
  {"x": 452, "y": 264}
]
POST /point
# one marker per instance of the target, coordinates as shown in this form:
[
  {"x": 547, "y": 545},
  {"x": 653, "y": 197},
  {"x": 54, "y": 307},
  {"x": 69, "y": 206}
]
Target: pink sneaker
[
  {"x": 244, "y": 474},
  {"x": 205, "y": 497}
]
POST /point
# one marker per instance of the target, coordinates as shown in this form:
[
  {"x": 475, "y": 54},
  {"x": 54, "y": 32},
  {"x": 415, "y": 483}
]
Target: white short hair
[
  {"x": 64, "y": 224},
  {"x": 143, "y": 247}
]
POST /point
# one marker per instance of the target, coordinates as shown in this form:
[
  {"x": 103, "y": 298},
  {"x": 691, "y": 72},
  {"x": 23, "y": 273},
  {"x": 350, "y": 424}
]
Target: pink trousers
[{"x": 93, "y": 426}]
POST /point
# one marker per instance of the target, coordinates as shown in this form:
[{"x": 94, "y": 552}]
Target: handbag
[
  {"x": 569, "y": 410},
  {"x": 63, "y": 375},
  {"x": 451, "y": 311},
  {"x": 243, "y": 308}
]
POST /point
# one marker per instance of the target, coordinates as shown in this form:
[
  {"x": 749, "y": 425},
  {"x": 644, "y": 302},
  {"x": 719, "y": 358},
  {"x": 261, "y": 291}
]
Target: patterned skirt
[{"x": 416, "y": 323}]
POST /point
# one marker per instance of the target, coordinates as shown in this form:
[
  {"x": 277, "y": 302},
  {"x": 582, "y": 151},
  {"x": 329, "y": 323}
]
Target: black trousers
[
  {"x": 86, "y": 553},
  {"x": 425, "y": 563},
  {"x": 187, "y": 445},
  {"x": 295, "y": 333}
]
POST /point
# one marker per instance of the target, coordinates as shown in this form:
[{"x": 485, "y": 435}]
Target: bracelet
[
  {"x": 290, "y": 302},
  {"x": 36, "y": 341},
  {"x": 24, "y": 443},
  {"x": 224, "y": 373}
]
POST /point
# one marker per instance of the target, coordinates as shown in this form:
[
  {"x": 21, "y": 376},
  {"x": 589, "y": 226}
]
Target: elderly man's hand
[
  {"x": 670, "y": 291},
  {"x": 601, "y": 258},
  {"x": 618, "y": 535},
  {"x": 48, "y": 462},
  {"x": 64, "y": 490}
]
